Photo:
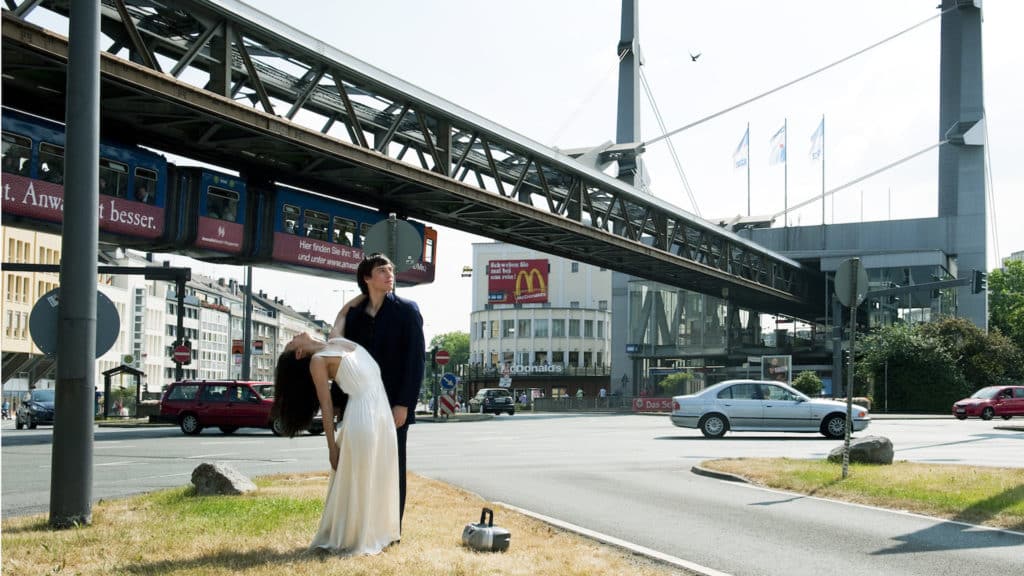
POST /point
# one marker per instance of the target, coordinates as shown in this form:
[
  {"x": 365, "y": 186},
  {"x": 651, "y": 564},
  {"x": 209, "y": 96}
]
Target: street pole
[
  {"x": 71, "y": 469},
  {"x": 436, "y": 381},
  {"x": 854, "y": 265},
  {"x": 247, "y": 327}
]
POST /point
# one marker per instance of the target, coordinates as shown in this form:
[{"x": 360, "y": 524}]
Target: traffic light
[
  {"x": 846, "y": 357},
  {"x": 979, "y": 282}
]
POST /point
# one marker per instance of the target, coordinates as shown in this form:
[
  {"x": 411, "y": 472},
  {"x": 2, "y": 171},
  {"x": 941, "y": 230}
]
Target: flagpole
[
  {"x": 785, "y": 176},
  {"x": 822, "y": 169},
  {"x": 748, "y": 169}
]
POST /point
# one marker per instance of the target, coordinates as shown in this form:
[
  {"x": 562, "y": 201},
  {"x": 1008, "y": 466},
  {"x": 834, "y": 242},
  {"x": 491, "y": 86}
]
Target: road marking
[
  {"x": 118, "y": 463},
  {"x": 225, "y": 443},
  {"x": 613, "y": 541},
  {"x": 107, "y": 446}
]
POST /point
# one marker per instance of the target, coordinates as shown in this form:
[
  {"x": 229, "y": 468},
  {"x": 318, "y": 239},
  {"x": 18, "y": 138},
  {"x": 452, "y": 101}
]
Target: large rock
[
  {"x": 211, "y": 479},
  {"x": 866, "y": 450}
]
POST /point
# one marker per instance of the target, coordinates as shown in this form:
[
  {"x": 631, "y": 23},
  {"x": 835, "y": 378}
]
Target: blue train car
[
  {"x": 216, "y": 220},
  {"x": 309, "y": 232},
  {"x": 135, "y": 206}
]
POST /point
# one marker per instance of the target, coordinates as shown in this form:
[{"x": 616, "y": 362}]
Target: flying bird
[{"x": 693, "y": 57}]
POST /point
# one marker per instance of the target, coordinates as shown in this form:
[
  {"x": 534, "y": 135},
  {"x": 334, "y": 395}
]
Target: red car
[
  {"x": 1003, "y": 401},
  {"x": 226, "y": 404}
]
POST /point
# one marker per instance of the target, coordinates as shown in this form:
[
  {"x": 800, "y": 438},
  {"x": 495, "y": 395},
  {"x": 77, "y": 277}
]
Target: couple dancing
[{"x": 375, "y": 354}]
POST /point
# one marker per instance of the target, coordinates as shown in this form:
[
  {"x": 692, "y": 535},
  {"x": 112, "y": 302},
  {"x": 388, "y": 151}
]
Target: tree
[
  {"x": 910, "y": 370},
  {"x": 1006, "y": 301},
  {"x": 808, "y": 383},
  {"x": 457, "y": 345},
  {"x": 675, "y": 382},
  {"x": 982, "y": 359}
]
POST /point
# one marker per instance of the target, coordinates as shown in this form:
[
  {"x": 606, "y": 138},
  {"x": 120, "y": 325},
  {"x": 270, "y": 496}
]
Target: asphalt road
[{"x": 625, "y": 476}]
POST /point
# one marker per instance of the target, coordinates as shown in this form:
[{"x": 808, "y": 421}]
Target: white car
[{"x": 763, "y": 406}]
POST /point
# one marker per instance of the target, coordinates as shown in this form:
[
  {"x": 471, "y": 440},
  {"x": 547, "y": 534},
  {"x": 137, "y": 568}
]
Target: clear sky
[{"x": 547, "y": 70}]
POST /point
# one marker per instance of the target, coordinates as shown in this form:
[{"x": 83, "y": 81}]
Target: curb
[
  {"x": 653, "y": 555},
  {"x": 701, "y": 471}
]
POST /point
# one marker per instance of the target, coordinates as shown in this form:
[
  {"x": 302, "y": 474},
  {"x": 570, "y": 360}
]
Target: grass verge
[
  {"x": 173, "y": 532},
  {"x": 977, "y": 495}
]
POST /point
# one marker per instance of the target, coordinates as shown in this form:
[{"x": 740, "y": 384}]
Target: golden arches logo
[{"x": 529, "y": 276}]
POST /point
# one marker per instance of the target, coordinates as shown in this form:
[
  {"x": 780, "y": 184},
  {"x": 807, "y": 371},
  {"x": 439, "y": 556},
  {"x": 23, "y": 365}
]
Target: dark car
[
  {"x": 496, "y": 400},
  {"x": 991, "y": 401},
  {"x": 226, "y": 404},
  {"x": 36, "y": 409}
]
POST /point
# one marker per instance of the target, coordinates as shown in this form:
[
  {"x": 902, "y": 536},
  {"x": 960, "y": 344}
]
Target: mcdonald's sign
[{"x": 517, "y": 281}]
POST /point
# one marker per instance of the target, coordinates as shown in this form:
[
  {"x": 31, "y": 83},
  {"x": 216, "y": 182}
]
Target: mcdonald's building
[{"x": 540, "y": 323}]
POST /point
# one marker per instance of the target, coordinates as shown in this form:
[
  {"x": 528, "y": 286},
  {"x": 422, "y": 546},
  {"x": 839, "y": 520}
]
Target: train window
[
  {"x": 428, "y": 251},
  {"x": 145, "y": 185},
  {"x": 291, "y": 219},
  {"x": 222, "y": 204},
  {"x": 17, "y": 152},
  {"x": 51, "y": 163},
  {"x": 316, "y": 224},
  {"x": 364, "y": 229},
  {"x": 113, "y": 178},
  {"x": 344, "y": 229}
]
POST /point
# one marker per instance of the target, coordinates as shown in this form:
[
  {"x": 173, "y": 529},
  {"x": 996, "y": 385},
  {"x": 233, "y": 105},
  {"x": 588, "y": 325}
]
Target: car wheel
[
  {"x": 190, "y": 424},
  {"x": 988, "y": 413},
  {"x": 18, "y": 423},
  {"x": 277, "y": 427},
  {"x": 511, "y": 412},
  {"x": 834, "y": 426},
  {"x": 961, "y": 416},
  {"x": 713, "y": 425},
  {"x": 1006, "y": 416},
  {"x": 28, "y": 422},
  {"x": 228, "y": 429}
]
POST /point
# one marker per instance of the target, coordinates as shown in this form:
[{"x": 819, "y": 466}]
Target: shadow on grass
[
  {"x": 240, "y": 560},
  {"x": 956, "y": 536}
]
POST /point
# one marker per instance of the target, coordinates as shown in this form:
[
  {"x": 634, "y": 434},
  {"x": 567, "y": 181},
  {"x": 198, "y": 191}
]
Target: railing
[{"x": 540, "y": 371}]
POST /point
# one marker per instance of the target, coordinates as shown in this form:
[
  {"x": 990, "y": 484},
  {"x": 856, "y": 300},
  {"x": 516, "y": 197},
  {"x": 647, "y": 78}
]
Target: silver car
[{"x": 762, "y": 406}]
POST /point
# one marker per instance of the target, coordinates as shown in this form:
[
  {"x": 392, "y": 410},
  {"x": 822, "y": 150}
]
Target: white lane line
[{"x": 118, "y": 463}]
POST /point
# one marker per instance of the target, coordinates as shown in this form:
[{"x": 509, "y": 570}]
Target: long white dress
[{"x": 361, "y": 512}]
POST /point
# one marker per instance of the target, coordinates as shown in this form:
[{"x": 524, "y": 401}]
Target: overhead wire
[
  {"x": 993, "y": 215},
  {"x": 671, "y": 147},
  {"x": 665, "y": 135},
  {"x": 586, "y": 100}
]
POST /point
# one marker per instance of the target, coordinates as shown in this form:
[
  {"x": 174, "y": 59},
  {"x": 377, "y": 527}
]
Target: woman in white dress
[{"x": 361, "y": 513}]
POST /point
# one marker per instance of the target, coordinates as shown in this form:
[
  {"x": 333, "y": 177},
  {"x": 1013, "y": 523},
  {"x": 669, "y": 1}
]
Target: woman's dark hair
[
  {"x": 295, "y": 401},
  {"x": 366, "y": 269}
]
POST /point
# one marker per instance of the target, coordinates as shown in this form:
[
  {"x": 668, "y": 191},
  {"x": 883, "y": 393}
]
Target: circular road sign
[
  {"x": 851, "y": 282},
  {"x": 448, "y": 381},
  {"x": 44, "y": 319},
  {"x": 442, "y": 357},
  {"x": 398, "y": 240},
  {"x": 182, "y": 354}
]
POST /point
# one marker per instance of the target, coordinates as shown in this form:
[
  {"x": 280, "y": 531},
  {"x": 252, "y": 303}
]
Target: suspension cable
[
  {"x": 792, "y": 82},
  {"x": 590, "y": 96},
  {"x": 671, "y": 147},
  {"x": 857, "y": 180}
]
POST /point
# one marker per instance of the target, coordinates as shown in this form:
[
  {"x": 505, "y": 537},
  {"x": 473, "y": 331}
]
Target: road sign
[
  {"x": 447, "y": 405},
  {"x": 505, "y": 381},
  {"x": 442, "y": 357},
  {"x": 182, "y": 354},
  {"x": 851, "y": 282},
  {"x": 396, "y": 239},
  {"x": 448, "y": 381},
  {"x": 44, "y": 319}
]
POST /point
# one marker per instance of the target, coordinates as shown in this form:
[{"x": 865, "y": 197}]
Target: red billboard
[{"x": 517, "y": 281}]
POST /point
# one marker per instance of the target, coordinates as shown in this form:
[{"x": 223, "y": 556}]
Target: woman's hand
[
  {"x": 335, "y": 453},
  {"x": 339, "y": 321}
]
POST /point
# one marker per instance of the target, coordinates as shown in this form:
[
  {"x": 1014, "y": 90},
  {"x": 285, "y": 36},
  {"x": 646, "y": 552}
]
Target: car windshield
[
  {"x": 42, "y": 395},
  {"x": 986, "y": 392},
  {"x": 266, "y": 390}
]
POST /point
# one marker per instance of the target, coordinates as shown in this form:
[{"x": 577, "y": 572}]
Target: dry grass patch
[
  {"x": 266, "y": 533},
  {"x": 974, "y": 494}
]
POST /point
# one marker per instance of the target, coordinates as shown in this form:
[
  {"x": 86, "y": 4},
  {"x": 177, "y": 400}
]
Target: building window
[
  {"x": 588, "y": 328},
  {"x": 558, "y": 328},
  {"x": 574, "y": 328},
  {"x": 524, "y": 358},
  {"x": 494, "y": 328},
  {"x": 558, "y": 357},
  {"x": 602, "y": 304},
  {"x": 574, "y": 358},
  {"x": 540, "y": 328},
  {"x": 600, "y": 328},
  {"x": 574, "y": 304},
  {"x": 524, "y": 328},
  {"x": 600, "y": 358},
  {"x": 483, "y": 329},
  {"x": 540, "y": 358},
  {"x": 575, "y": 266},
  {"x": 508, "y": 328},
  {"x": 586, "y": 359}
]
